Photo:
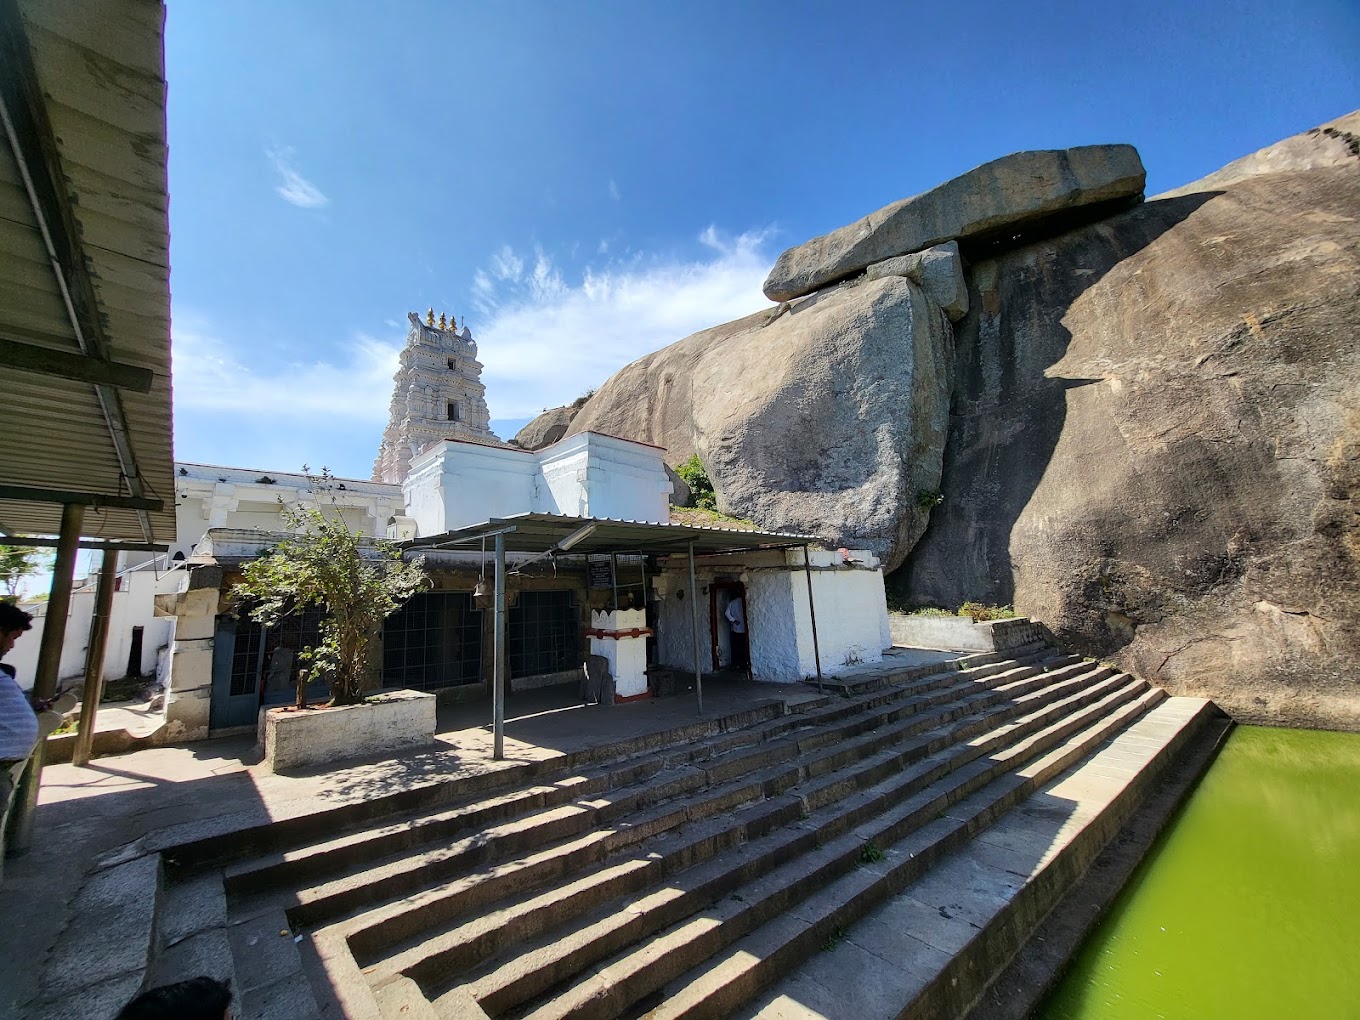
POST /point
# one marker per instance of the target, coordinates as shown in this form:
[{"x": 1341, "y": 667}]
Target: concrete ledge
[
  {"x": 394, "y": 721},
  {"x": 529, "y": 683},
  {"x": 59, "y": 749},
  {"x": 960, "y": 633}
]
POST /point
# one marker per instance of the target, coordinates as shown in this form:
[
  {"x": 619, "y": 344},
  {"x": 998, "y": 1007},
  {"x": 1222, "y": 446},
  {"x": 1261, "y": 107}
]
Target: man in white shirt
[
  {"x": 736, "y": 619},
  {"x": 21, "y": 725},
  {"x": 18, "y": 723}
]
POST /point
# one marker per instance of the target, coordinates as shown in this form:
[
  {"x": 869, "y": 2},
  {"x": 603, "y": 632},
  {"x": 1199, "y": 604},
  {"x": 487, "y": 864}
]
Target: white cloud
[
  {"x": 293, "y": 187},
  {"x": 545, "y": 341},
  {"x": 614, "y": 192},
  {"x": 255, "y": 411},
  {"x": 506, "y": 265},
  {"x": 210, "y": 376}
]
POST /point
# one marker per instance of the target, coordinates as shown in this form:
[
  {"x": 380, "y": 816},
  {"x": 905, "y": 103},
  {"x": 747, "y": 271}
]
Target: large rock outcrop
[
  {"x": 1155, "y": 446},
  {"x": 813, "y": 417},
  {"x": 998, "y": 196},
  {"x": 1153, "y": 443},
  {"x": 547, "y": 428}
]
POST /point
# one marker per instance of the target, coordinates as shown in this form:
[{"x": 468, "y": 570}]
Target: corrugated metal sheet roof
[
  {"x": 539, "y": 532},
  {"x": 100, "y": 72}
]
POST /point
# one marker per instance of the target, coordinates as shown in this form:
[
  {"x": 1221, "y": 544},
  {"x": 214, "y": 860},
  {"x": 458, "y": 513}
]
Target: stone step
[
  {"x": 187, "y": 856},
  {"x": 709, "y": 796},
  {"x": 350, "y": 888},
  {"x": 621, "y": 923},
  {"x": 645, "y": 969},
  {"x": 931, "y": 949},
  {"x": 862, "y": 684},
  {"x": 328, "y": 857},
  {"x": 721, "y": 984},
  {"x": 463, "y": 945}
]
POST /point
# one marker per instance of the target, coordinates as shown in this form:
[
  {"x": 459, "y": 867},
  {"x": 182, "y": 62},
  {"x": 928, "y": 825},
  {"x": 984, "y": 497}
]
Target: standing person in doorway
[{"x": 741, "y": 648}]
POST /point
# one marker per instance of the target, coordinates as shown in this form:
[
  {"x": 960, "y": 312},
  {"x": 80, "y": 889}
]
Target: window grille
[
  {"x": 544, "y": 633},
  {"x": 245, "y": 657},
  {"x": 433, "y": 641}
]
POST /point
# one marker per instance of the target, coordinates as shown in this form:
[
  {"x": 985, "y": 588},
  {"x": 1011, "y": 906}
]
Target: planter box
[{"x": 385, "y": 723}]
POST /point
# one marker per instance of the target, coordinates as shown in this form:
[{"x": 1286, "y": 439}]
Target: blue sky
[{"x": 586, "y": 182}]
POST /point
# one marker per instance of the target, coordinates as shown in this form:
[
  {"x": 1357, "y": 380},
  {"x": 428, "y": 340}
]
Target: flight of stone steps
[{"x": 681, "y": 880}]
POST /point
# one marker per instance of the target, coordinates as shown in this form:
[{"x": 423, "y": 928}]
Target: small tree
[
  {"x": 18, "y": 562},
  {"x": 358, "y": 585}
]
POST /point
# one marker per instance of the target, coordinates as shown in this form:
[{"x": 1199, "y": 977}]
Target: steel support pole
[
  {"x": 94, "y": 658},
  {"x": 49, "y": 665},
  {"x": 694, "y": 628},
  {"x": 812, "y": 610},
  {"x": 58, "y": 603},
  {"x": 498, "y": 669}
]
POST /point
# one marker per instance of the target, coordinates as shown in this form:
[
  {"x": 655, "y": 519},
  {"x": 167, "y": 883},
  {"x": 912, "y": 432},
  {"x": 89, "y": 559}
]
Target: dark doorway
[
  {"x": 729, "y": 626},
  {"x": 134, "y": 663},
  {"x": 254, "y": 666}
]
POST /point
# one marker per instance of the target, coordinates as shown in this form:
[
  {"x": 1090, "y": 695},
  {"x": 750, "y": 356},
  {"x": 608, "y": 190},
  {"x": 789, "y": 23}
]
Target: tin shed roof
[{"x": 84, "y": 269}]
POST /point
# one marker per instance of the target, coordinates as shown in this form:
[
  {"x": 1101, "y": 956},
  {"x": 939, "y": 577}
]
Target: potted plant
[{"x": 358, "y": 582}]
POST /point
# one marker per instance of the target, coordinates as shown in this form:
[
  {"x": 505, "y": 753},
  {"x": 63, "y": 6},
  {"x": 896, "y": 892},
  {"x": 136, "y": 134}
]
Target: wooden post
[
  {"x": 498, "y": 669},
  {"x": 94, "y": 658},
  {"x": 58, "y": 603},
  {"x": 49, "y": 665}
]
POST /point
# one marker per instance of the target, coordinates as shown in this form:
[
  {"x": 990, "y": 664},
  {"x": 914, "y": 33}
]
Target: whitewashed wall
[
  {"x": 852, "y": 614},
  {"x": 132, "y": 607},
  {"x": 454, "y": 484},
  {"x": 212, "y": 496}
]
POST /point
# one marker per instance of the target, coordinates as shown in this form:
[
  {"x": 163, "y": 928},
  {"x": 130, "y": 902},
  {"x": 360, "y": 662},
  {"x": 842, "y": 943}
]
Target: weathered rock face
[
  {"x": 814, "y": 418},
  {"x": 1007, "y": 192},
  {"x": 1155, "y": 446},
  {"x": 547, "y": 428},
  {"x": 939, "y": 271}
]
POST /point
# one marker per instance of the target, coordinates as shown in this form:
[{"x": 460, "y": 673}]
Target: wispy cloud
[
  {"x": 614, "y": 192},
  {"x": 293, "y": 187},
  {"x": 279, "y": 414},
  {"x": 544, "y": 340},
  {"x": 210, "y": 376}
]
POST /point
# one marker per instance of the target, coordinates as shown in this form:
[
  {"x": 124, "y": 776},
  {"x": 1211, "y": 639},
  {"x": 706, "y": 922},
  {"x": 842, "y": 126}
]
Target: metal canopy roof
[
  {"x": 540, "y": 533},
  {"x": 84, "y": 268}
]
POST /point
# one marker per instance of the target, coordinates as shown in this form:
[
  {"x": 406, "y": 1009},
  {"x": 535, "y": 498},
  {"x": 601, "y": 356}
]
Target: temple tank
[{"x": 1248, "y": 904}]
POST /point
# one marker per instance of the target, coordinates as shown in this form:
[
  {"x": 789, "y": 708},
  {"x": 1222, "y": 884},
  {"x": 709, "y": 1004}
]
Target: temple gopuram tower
[{"x": 437, "y": 394}]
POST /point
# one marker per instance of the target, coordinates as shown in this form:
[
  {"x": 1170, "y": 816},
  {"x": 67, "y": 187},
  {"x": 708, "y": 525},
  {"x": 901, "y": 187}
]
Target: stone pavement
[{"x": 121, "y": 807}]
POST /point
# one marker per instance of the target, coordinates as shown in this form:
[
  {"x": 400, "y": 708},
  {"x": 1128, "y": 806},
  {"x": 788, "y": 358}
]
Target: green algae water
[{"x": 1249, "y": 904}]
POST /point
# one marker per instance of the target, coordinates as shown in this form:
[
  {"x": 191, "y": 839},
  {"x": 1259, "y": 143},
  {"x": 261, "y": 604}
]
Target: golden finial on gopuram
[
  {"x": 429, "y": 317},
  {"x": 443, "y": 321}
]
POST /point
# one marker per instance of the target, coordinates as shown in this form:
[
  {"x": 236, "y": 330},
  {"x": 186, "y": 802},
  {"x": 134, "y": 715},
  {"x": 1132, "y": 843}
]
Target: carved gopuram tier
[{"x": 438, "y": 394}]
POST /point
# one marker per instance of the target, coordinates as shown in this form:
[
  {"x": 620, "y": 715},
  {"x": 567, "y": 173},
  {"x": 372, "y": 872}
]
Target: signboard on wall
[{"x": 599, "y": 573}]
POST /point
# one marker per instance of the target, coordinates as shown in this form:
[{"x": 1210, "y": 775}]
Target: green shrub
[
  {"x": 692, "y": 471},
  {"x": 928, "y": 499},
  {"x": 982, "y": 614}
]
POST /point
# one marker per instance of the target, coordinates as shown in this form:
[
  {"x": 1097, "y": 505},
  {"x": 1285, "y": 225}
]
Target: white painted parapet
[
  {"x": 621, "y": 637},
  {"x": 455, "y": 483}
]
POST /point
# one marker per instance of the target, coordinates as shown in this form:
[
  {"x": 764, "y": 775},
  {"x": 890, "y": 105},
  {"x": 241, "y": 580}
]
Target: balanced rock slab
[
  {"x": 816, "y": 417},
  {"x": 1155, "y": 448},
  {"x": 1009, "y": 191},
  {"x": 939, "y": 271}
]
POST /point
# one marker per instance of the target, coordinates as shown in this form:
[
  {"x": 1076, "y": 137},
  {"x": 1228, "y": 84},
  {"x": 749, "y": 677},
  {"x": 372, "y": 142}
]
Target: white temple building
[{"x": 441, "y": 475}]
